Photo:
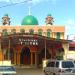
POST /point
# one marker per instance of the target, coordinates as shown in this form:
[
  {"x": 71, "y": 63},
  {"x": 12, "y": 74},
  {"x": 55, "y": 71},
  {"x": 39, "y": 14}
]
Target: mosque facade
[{"x": 30, "y": 43}]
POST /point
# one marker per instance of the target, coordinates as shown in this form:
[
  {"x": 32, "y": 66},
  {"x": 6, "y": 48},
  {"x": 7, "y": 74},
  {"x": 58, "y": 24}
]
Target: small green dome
[
  {"x": 6, "y": 15},
  {"x": 49, "y": 15},
  {"x": 30, "y": 20}
]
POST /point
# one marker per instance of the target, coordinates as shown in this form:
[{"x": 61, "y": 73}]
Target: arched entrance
[
  {"x": 25, "y": 56},
  {"x": 42, "y": 55}
]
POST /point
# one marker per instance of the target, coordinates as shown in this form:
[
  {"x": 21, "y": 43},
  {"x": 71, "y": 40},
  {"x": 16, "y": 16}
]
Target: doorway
[{"x": 25, "y": 56}]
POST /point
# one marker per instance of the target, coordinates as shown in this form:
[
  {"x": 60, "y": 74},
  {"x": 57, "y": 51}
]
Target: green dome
[{"x": 30, "y": 20}]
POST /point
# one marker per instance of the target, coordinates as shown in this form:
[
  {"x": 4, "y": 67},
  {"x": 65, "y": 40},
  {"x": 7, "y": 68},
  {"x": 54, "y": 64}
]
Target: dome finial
[
  {"x": 29, "y": 7},
  {"x": 29, "y": 10}
]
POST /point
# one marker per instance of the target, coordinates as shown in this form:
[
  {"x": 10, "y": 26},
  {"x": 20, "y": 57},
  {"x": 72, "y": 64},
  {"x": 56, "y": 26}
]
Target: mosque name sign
[{"x": 28, "y": 41}]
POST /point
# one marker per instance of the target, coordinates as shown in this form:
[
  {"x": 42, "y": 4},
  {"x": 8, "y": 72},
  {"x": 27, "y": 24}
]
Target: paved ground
[{"x": 29, "y": 71}]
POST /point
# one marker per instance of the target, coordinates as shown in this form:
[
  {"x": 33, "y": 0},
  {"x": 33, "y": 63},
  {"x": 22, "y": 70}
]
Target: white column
[{"x": 66, "y": 49}]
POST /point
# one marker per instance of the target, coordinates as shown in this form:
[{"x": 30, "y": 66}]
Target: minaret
[
  {"x": 5, "y": 20},
  {"x": 49, "y": 20}
]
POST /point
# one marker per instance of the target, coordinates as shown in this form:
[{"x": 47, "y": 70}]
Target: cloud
[
  {"x": 69, "y": 27},
  {"x": 34, "y": 2},
  {"x": 70, "y": 22},
  {"x": 39, "y": 1},
  {"x": 4, "y": 0}
]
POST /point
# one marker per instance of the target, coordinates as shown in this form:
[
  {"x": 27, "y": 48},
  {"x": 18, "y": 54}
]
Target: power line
[{"x": 14, "y": 4}]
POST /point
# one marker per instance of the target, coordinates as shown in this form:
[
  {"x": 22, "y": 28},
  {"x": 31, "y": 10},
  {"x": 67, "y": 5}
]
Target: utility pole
[
  {"x": 45, "y": 47},
  {"x": 67, "y": 37}
]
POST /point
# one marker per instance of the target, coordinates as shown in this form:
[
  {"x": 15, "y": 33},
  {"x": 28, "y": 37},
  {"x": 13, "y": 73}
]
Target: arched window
[
  {"x": 22, "y": 31},
  {"x": 40, "y": 32},
  {"x": 48, "y": 33},
  {"x": 31, "y": 31},
  {"x": 58, "y": 35},
  {"x": 4, "y": 32},
  {"x": 13, "y": 31}
]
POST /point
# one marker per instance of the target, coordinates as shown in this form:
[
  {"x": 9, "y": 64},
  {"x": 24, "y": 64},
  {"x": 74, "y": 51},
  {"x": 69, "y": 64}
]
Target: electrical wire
[{"x": 14, "y": 4}]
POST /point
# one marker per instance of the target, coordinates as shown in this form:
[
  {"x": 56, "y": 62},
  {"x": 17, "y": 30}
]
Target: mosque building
[{"x": 30, "y": 43}]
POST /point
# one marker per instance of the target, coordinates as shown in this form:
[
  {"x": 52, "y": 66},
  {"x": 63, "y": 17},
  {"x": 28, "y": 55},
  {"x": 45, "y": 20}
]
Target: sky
[{"x": 63, "y": 12}]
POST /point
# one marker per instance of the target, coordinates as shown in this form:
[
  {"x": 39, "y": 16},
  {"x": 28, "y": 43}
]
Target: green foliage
[{"x": 59, "y": 55}]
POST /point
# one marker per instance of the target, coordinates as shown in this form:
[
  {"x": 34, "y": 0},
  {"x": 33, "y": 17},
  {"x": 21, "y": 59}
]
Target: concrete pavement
[{"x": 30, "y": 71}]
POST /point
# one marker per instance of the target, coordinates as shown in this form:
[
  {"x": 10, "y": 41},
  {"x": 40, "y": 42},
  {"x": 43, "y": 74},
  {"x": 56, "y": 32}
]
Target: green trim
[
  {"x": 5, "y": 33},
  {"x": 13, "y": 31},
  {"x": 31, "y": 32},
  {"x": 22, "y": 31},
  {"x": 40, "y": 32},
  {"x": 58, "y": 35},
  {"x": 48, "y": 34}
]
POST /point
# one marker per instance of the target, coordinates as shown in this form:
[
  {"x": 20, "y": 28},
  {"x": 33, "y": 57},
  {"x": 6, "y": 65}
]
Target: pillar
[
  {"x": 1, "y": 56},
  {"x": 66, "y": 48},
  {"x": 18, "y": 58},
  {"x": 15, "y": 58},
  {"x": 9, "y": 50},
  {"x": 31, "y": 58},
  {"x": 52, "y": 52},
  {"x": 1, "y": 53},
  {"x": 36, "y": 61}
]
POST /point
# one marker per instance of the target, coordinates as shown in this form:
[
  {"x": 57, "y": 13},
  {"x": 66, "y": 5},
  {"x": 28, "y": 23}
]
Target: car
[
  {"x": 59, "y": 67},
  {"x": 7, "y": 70}
]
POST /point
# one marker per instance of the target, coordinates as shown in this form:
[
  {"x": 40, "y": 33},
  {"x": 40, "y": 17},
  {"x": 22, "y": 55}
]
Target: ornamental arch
[
  {"x": 25, "y": 56},
  {"x": 48, "y": 32}
]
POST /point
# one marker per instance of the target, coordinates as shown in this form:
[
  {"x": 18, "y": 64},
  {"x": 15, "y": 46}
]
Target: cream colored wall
[
  {"x": 70, "y": 55},
  {"x": 54, "y": 29}
]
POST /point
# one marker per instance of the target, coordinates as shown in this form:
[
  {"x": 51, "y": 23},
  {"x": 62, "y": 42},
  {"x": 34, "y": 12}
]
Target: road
[{"x": 29, "y": 71}]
